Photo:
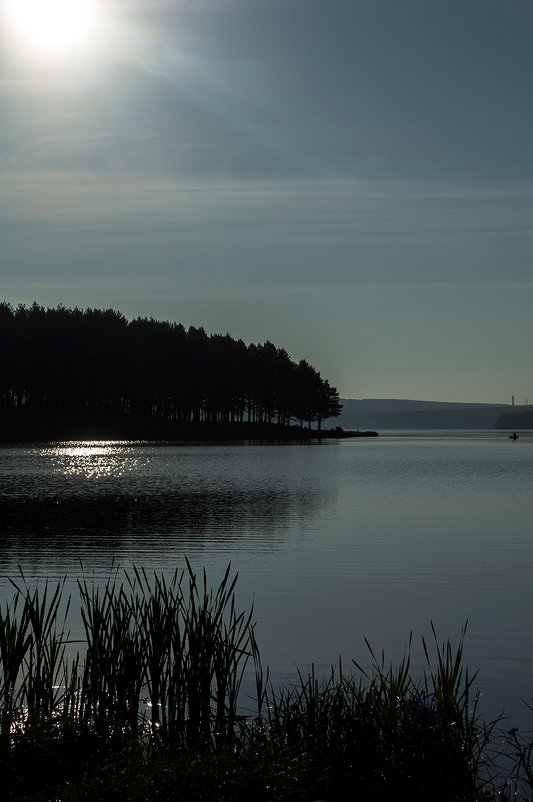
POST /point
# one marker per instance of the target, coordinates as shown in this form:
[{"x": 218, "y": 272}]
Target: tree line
[
  {"x": 94, "y": 362},
  {"x": 517, "y": 419}
]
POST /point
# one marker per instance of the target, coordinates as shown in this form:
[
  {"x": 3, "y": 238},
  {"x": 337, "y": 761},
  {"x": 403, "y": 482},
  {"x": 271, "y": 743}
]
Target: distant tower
[{"x": 513, "y": 402}]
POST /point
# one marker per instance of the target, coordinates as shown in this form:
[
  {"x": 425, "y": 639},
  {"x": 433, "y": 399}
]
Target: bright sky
[{"x": 351, "y": 179}]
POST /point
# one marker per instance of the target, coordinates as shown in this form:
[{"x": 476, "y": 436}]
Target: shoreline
[{"x": 56, "y": 429}]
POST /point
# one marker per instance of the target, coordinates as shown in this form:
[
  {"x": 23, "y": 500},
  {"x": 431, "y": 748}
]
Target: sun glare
[{"x": 53, "y": 27}]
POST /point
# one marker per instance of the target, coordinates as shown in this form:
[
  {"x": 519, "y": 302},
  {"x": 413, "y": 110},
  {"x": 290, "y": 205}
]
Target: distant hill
[{"x": 384, "y": 413}]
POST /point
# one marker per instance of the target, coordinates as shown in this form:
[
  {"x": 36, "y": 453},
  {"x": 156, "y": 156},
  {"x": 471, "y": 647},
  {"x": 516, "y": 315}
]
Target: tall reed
[
  {"x": 171, "y": 652},
  {"x": 159, "y": 683},
  {"x": 381, "y": 734},
  {"x": 32, "y": 650},
  {"x": 179, "y": 643}
]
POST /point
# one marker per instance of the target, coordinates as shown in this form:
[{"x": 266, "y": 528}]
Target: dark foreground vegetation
[
  {"x": 152, "y": 709},
  {"x": 72, "y": 373}
]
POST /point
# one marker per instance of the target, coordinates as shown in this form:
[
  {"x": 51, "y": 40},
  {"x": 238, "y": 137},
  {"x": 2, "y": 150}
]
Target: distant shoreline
[{"x": 381, "y": 414}]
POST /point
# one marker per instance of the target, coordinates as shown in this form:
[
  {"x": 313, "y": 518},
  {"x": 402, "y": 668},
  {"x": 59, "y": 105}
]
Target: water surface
[{"x": 333, "y": 541}]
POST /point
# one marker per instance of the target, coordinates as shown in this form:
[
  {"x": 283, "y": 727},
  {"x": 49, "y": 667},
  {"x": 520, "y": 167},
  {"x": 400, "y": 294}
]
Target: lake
[{"x": 333, "y": 541}]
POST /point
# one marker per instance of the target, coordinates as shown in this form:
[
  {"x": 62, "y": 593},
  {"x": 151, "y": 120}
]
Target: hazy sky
[{"x": 351, "y": 179}]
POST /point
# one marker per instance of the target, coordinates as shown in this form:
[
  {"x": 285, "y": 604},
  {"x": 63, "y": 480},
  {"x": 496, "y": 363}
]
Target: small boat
[{"x": 513, "y": 436}]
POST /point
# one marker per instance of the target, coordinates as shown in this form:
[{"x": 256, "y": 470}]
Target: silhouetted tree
[{"x": 95, "y": 365}]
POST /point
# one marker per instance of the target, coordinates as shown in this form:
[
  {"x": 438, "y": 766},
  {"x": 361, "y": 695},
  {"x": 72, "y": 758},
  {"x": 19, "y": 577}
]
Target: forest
[
  {"x": 88, "y": 371},
  {"x": 517, "y": 419}
]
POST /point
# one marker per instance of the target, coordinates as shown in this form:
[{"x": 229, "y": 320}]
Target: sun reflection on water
[{"x": 92, "y": 459}]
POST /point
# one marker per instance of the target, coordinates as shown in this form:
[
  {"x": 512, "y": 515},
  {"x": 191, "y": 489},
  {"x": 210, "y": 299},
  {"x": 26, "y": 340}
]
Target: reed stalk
[{"x": 159, "y": 683}]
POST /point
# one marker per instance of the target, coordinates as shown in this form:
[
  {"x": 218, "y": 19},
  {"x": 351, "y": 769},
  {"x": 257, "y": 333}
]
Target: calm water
[{"x": 333, "y": 541}]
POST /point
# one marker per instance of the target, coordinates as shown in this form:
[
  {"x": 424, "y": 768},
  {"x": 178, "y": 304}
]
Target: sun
[{"x": 53, "y": 27}]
